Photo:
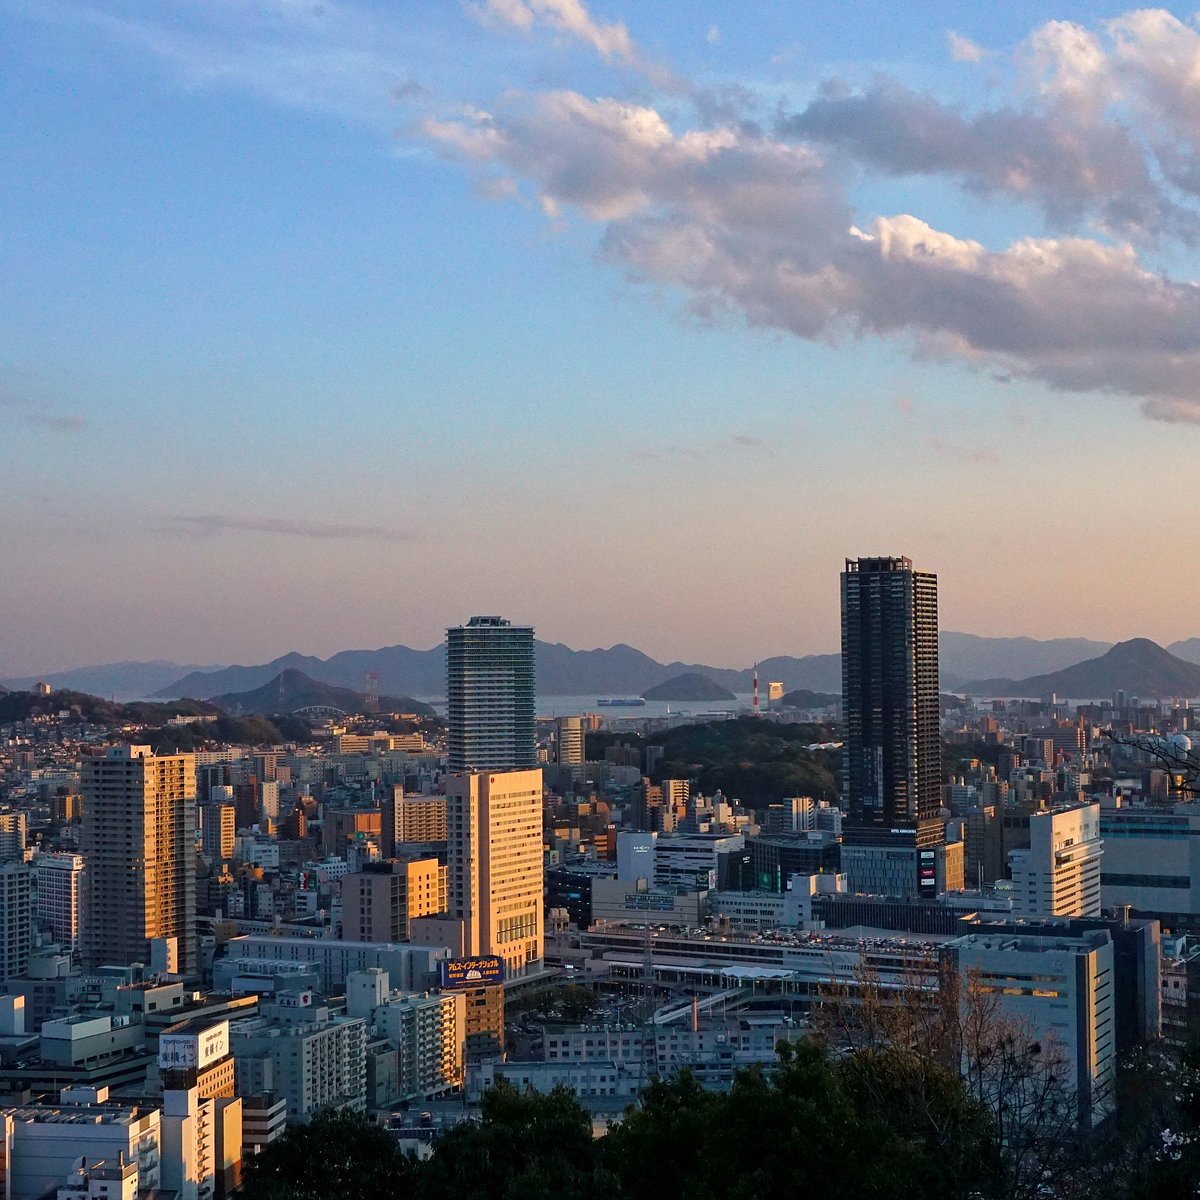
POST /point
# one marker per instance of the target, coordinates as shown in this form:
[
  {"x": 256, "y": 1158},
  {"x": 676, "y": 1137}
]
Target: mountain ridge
[
  {"x": 1139, "y": 667},
  {"x": 624, "y": 670}
]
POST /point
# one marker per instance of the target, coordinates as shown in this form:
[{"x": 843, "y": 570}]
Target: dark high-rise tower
[
  {"x": 490, "y": 696},
  {"x": 892, "y": 761}
]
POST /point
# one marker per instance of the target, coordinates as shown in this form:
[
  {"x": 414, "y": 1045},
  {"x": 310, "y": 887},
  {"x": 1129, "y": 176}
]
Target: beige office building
[
  {"x": 494, "y": 836},
  {"x": 138, "y": 839},
  {"x": 379, "y": 901}
]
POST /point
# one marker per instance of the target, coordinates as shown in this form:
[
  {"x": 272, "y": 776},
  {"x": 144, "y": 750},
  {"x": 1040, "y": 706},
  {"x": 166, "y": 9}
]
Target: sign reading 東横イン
[{"x": 472, "y": 972}]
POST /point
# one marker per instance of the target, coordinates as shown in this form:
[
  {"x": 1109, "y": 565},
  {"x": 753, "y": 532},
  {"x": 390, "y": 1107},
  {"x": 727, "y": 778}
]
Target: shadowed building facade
[{"x": 892, "y": 759}]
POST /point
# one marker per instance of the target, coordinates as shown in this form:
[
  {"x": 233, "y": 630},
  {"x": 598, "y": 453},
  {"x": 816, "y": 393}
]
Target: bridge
[{"x": 320, "y": 712}]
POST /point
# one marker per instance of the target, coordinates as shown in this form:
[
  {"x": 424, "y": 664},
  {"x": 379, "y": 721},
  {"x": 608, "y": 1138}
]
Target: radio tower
[{"x": 756, "y": 689}]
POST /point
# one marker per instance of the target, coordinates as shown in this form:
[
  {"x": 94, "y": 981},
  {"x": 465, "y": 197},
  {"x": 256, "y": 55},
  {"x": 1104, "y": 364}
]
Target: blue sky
[{"x": 328, "y": 324}]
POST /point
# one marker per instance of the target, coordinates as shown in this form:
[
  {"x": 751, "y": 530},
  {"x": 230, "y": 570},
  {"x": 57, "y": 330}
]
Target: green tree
[
  {"x": 338, "y": 1155},
  {"x": 525, "y": 1146}
]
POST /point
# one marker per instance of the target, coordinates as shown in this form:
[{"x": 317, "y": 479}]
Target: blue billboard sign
[{"x": 483, "y": 971}]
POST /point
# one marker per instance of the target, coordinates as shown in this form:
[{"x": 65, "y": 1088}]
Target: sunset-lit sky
[{"x": 326, "y": 324}]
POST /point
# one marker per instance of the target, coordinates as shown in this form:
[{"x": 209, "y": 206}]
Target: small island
[{"x": 691, "y": 686}]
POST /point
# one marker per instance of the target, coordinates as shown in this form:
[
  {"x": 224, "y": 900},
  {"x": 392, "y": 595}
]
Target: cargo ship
[{"x": 621, "y": 702}]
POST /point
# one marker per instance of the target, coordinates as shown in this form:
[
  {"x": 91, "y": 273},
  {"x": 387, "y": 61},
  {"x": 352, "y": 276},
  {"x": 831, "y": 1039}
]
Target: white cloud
[
  {"x": 713, "y": 36},
  {"x": 610, "y": 40},
  {"x": 962, "y": 49}
]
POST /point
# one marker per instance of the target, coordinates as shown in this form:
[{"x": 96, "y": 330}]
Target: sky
[{"x": 325, "y": 324}]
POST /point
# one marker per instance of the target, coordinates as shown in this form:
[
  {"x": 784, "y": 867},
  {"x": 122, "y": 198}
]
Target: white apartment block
[
  {"x": 189, "y": 1141},
  {"x": 60, "y": 896},
  {"x": 16, "y": 918},
  {"x": 298, "y": 1050},
  {"x": 1059, "y": 875},
  {"x": 430, "y": 1031}
]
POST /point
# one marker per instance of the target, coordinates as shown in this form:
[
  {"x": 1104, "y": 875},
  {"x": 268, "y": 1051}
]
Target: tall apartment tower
[
  {"x": 892, "y": 760},
  {"x": 494, "y": 852},
  {"x": 490, "y": 696},
  {"x": 16, "y": 918},
  {"x": 139, "y": 822}
]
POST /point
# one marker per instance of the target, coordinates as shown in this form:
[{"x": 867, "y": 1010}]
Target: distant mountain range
[
  {"x": 124, "y": 680},
  {"x": 561, "y": 671},
  {"x": 1138, "y": 667},
  {"x": 291, "y": 690}
]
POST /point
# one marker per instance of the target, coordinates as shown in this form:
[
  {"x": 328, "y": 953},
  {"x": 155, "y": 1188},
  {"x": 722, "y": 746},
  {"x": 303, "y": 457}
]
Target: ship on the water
[{"x": 621, "y": 702}]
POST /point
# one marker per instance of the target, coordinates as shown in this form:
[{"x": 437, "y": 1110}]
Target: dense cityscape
[
  {"x": 597, "y": 600},
  {"x": 207, "y": 955}
]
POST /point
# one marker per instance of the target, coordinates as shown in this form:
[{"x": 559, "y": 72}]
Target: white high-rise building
[
  {"x": 494, "y": 849},
  {"x": 1059, "y": 875},
  {"x": 430, "y": 1032},
  {"x": 60, "y": 896},
  {"x": 298, "y": 1049},
  {"x": 187, "y": 1128}
]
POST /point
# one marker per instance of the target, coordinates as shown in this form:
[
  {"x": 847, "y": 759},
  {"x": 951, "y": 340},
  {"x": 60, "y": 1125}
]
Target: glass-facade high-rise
[
  {"x": 490, "y": 695},
  {"x": 892, "y": 758}
]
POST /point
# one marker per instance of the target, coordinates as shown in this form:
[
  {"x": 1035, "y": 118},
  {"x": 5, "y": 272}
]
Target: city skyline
[{"x": 277, "y": 272}]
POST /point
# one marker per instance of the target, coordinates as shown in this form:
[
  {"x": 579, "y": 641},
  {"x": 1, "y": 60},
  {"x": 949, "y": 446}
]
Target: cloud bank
[{"x": 1098, "y": 133}]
